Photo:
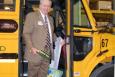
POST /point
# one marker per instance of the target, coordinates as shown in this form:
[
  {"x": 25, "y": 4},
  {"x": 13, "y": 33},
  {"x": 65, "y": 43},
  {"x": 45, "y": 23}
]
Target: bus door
[
  {"x": 9, "y": 38},
  {"x": 80, "y": 33}
]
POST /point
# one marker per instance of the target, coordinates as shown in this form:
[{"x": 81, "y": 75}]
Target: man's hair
[{"x": 41, "y": 1}]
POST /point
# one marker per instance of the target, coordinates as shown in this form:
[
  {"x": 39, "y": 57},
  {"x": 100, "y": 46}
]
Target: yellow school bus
[
  {"x": 90, "y": 47},
  {"x": 90, "y": 51},
  {"x": 9, "y": 38}
]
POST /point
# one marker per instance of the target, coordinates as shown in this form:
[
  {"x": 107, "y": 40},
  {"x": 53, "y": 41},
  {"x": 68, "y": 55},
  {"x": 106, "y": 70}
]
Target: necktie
[
  {"x": 48, "y": 41},
  {"x": 48, "y": 46}
]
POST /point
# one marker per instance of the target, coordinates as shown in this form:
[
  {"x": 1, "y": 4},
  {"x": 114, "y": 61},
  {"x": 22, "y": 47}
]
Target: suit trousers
[{"x": 38, "y": 69}]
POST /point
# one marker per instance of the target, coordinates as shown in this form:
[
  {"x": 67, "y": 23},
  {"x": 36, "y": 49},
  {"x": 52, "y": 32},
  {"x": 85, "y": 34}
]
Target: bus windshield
[
  {"x": 7, "y": 5},
  {"x": 80, "y": 18}
]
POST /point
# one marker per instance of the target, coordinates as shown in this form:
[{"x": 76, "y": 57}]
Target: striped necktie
[
  {"x": 48, "y": 41},
  {"x": 48, "y": 46}
]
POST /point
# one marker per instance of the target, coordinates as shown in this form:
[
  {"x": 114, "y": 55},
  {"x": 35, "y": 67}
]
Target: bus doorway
[{"x": 58, "y": 14}]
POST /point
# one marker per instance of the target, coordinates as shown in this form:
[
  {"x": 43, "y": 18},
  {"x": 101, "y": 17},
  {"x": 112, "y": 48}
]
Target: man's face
[{"x": 45, "y": 7}]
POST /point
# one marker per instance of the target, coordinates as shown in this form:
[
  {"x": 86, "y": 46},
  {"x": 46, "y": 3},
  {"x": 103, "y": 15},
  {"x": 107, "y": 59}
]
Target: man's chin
[{"x": 45, "y": 13}]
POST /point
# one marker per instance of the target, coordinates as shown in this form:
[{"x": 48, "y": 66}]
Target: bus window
[
  {"x": 7, "y": 5},
  {"x": 8, "y": 26},
  {"x": 80, "y": 18}
]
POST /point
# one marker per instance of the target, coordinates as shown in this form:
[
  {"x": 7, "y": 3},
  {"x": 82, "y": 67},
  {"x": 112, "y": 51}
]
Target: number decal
[{"x": 104, "y": 42}]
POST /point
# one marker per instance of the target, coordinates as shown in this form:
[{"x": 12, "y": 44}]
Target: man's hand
[{"x": 34, "y": 50}]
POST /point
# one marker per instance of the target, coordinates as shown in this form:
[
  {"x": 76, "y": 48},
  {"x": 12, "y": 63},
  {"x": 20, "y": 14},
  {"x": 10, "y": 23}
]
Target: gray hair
[{"x": 41, "y": 1}]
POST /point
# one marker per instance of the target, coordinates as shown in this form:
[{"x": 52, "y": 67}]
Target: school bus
[
  {"x": 89, "y": 46},
  {"x": 10, "y": 38}
]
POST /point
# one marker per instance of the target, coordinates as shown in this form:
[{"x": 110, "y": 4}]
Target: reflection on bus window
[
  {"x": 8, "y": 26},
  {"x": 80, "y": 18},
  {"x": 7, "y": 5}
]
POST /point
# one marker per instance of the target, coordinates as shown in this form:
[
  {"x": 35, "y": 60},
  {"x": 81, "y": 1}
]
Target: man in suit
[{"x": 38, "y": 29}]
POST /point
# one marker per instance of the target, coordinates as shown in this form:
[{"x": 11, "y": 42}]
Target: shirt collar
[{"x": 43, "y": 16}]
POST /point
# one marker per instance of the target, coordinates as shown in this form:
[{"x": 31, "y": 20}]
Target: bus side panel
[{"x": 8, "y": 68}]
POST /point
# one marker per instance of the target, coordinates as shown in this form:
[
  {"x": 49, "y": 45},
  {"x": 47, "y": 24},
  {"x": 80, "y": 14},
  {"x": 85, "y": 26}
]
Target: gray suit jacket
[{"x": 35, "y": 34}]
